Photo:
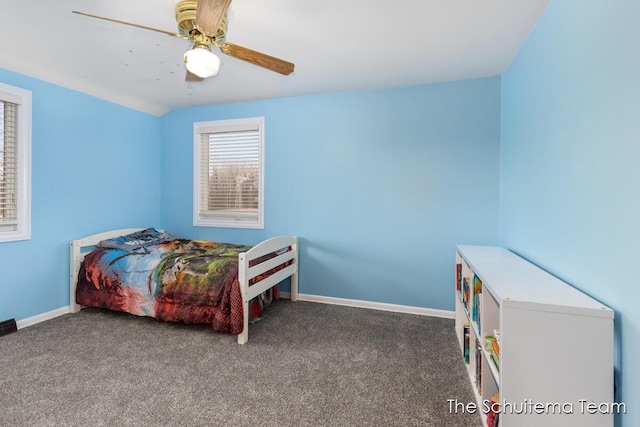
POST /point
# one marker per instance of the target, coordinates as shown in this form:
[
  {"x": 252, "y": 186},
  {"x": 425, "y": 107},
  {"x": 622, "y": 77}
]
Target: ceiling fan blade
[
  {"x": 209, "y": 15},
  {"x": 260, "y": 59},
  {"x": 192, "y": 78},
  {"x": 169, "y": 33}
]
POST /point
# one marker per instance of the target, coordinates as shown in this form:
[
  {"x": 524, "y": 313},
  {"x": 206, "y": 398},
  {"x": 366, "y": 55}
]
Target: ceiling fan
[{"x": 204, "y": 23}]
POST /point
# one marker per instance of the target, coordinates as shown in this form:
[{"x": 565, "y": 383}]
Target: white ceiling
[{"x": 336, "y": 45}]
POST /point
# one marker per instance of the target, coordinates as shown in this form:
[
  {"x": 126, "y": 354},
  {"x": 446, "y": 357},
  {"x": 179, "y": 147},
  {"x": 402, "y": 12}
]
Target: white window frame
[
  {"x": 22, "y": 98},
  {"x": 199, "y": 128}
]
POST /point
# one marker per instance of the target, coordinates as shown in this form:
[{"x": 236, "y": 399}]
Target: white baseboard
[
  {"x": 396, "y": 308},
  {"x": 373, "y": 305},
  {"x": 29, "y": 321}
]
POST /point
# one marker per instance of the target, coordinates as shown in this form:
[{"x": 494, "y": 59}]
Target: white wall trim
[
  {"x": 396, "y": 308},
  {"x": 30, "y": 321},
  {"x": 420, "y": 311}
]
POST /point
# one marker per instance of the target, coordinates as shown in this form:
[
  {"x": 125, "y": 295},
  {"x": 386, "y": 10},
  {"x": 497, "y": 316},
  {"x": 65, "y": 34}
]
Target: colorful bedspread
[{"x": 175, "y": 280}]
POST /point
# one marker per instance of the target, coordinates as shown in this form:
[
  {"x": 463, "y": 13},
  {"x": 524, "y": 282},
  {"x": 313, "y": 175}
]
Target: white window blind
[
  {"x": 229, "y": 181},
  {"x": 15, "y": 163},
  {"x": 8, "y": 166}
]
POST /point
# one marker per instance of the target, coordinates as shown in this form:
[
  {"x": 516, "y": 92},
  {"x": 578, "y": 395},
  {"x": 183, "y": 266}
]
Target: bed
[{"x": 152, "y": 273}]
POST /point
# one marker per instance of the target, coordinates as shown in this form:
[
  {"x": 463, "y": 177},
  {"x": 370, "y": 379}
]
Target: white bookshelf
[{"x": 556, "y": 343}]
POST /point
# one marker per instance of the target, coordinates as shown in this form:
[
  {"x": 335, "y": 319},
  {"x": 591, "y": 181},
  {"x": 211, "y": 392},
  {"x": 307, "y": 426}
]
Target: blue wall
[
  {"x": 570, "y": 161},
  {"x": 95, "y": 166},
  {"x": 379, "y": 185}
]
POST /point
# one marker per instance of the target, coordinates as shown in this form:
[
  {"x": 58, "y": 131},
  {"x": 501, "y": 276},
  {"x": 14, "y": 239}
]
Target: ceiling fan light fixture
[{"x": 201, "y": 61}]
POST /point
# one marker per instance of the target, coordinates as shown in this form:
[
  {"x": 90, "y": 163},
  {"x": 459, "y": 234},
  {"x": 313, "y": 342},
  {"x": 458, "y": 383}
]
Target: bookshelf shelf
[{"x": 540, "y": 332}]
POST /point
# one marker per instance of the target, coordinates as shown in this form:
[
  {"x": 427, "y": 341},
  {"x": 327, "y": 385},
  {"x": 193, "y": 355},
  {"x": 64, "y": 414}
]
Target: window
[
  {"x": 228, "y": 175},
  {"x": 15, "y": 163}
]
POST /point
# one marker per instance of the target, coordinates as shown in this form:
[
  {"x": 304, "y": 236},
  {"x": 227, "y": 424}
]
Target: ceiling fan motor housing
[{"x": 186, "y": 18}]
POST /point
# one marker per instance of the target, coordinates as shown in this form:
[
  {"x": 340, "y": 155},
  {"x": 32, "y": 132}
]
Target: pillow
[{"x": 136, "y": 240}]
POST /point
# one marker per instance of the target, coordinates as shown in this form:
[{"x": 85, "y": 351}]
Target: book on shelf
[
  {"x": 495, "y": 362},
  {"x": 458, "y": 277},
  {"x": 496, "y": 342},
  {"x": 467, "y": 339},
  {"x": 478, "y": 367},
  {"x": 477, "y": 297},
  {"x": 493, "y": 349},
  {"x": 493, "y": 412},
  {"x": 465, "y": 292}
]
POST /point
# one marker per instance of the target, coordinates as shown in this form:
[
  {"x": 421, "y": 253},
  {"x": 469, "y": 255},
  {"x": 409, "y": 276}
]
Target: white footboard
[{"x": 246, "y": 273}]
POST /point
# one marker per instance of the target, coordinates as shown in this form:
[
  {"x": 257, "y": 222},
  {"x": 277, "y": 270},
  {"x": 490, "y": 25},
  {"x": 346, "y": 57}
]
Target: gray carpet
[{"x": 306, "y": 364}]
